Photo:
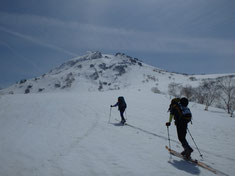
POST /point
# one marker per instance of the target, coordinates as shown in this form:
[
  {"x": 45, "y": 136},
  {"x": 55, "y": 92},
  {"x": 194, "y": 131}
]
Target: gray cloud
[
  {"x": 176, "y": 29},
  {"x": 37, "y": 41},
  {"x": 105, "y": 37}
]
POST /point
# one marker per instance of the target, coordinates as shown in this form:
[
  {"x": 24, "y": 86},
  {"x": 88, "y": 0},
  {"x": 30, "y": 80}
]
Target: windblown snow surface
[{"x": 69, "y": 134}]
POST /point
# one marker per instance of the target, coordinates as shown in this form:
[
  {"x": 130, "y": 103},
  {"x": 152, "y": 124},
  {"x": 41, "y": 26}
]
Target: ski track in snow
[{"x": 63, "y": 153}]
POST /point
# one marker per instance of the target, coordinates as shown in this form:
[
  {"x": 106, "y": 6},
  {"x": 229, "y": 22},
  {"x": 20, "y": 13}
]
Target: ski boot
[
  {"x": 188, "y": 152},
  {"x": 183, "y": 153},
  {"x": 123, "y": 121}
]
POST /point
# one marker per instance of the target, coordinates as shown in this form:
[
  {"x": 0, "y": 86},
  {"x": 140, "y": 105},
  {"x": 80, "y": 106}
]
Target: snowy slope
[
  {"x": 53, "y": 134},
  {"x": 101, "y": 72}
]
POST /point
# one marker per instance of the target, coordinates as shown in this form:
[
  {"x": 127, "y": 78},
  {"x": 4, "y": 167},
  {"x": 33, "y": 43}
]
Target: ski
[{"x": 194, "y": 161}]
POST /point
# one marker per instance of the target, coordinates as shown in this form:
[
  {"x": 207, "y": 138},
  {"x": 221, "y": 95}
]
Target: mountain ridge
[{"x": 102, "y": 72}]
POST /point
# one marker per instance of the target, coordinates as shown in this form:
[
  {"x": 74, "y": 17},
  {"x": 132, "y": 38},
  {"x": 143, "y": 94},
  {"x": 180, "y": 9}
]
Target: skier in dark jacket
[
  {"x": 181, "y": 122},
  {"x": 121, "y": 107}
]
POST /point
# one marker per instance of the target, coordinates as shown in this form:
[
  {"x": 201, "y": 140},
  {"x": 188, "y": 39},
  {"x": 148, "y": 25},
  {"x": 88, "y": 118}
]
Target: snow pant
[
  {"x": 182, "y": 131},
  {"x": 121, "y": 113}
]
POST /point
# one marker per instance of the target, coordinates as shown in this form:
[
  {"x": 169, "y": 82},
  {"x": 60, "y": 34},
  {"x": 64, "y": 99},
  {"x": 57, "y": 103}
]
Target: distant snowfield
[{"x": 53, "y": 134}]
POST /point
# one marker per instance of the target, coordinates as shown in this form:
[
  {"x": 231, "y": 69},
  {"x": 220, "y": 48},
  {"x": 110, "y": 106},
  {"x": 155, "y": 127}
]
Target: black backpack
[
  {"x": 121, "y": 102},
  {"x": 180, "y": 104},
  {"x": 185, "y": 113}
]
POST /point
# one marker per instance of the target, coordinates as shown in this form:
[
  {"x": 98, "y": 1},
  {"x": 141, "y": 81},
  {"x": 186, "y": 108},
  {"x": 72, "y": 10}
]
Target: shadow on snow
[{"x": 185, "y": 166}]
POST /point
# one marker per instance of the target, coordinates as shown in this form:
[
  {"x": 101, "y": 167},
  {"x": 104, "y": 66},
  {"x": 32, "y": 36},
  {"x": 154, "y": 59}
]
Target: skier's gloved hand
[
  {"x": 111, "y": 106},
  {"x": 168, "y": 123}
]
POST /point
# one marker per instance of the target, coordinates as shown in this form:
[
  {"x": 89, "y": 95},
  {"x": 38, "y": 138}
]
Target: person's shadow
[{"x": 185, "y": 166}]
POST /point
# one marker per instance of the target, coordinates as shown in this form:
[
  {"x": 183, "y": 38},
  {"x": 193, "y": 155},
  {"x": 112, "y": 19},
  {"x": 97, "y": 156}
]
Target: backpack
[
  {"x": 121, "y": 102},
  {"x": 183, "y": 111},
  {"x": 174, "y": 101}
]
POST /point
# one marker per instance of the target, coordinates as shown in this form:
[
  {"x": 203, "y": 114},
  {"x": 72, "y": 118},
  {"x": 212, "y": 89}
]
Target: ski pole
[
  {"x": 110, "y": 113},
  {"x": 169, "y": 139},
  {"x": 195, "y": 143}
]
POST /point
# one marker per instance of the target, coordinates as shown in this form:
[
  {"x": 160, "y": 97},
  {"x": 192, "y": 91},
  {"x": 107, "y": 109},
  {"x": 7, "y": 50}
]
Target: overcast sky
[{"x": 188, "y": 36}]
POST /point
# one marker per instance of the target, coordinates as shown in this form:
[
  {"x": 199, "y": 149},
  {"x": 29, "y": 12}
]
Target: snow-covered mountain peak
[
  {"x": 91, "y": 72},
  {"x": 101, "y": 72},
  {"x": 76, "y": 61},
  {"x": 96, "y": 58}
]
